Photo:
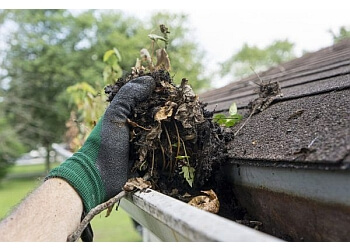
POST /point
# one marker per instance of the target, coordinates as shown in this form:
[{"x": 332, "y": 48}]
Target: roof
[{"x": 309, "y": 126}]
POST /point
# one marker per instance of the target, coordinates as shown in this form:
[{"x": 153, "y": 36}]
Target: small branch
[
  {"x": 170, "y": 147},
  {"x": 134, "y": 124},
  {"x": 152, "y": 163},
  {"x": 257, "y": 76},
  {"x": 163, "y": 156},
  {"x": 245, "y": 122},
  {"x": 178, "y": 141},
  {"x": 95, "y": 211}
]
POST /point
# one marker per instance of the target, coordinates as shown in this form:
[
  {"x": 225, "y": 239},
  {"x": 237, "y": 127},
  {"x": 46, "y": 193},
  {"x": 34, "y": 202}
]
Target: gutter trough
[
  {"x": 295, "y": 204},
  {"x": 171, "y": 220}
]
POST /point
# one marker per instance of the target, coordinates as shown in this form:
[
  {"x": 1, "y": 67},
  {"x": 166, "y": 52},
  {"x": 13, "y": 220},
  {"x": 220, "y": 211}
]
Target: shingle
[
  {"x": 310, "y": 129},
  {"x": 309, "y": 126}
]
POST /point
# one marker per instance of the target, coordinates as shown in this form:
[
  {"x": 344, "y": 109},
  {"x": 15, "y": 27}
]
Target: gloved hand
[{"x": 99, "y": 169}]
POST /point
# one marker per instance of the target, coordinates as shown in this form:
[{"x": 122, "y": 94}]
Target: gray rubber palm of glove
[{"x": 113, "y": 157}]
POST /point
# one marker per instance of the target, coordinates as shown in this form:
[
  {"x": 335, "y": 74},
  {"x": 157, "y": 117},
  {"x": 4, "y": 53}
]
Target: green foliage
[
  {"x": 49, "y": 50},
  {"x": 88, "y": 101},
  {"x": 187, "y": 170},
  {"x": 10, "y": 145},
  {"x": 188, "y": 173},
  {"x": 112, "y": 70},
  {"x": 231, "y": 119},
  {"x": 240, "y": 64},
  {"x": 343, "y": 33},
  {"x": 155, "y": 37}
]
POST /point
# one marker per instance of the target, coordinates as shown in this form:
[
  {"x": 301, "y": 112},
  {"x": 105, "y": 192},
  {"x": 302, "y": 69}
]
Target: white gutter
[{"x": 172, "y": 220}]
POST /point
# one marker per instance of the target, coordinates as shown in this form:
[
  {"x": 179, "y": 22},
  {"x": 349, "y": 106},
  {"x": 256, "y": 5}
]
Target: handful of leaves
[{"x": 173, "y": 138}]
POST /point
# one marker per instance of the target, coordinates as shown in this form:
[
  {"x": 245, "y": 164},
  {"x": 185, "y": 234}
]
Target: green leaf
[
  {"x": 106, "y": 74},
  {"x": 233, "y": 109},
  {"x": 236, "y": 116},
  {"x": 108, "y": 54},
  {"x": 219, "y": 119},
  {"x": 181, "y": 157},
  {"x": 117, "y": 54},
  {"x": 117, "y": 70},
  {"x": 188, "y": 173},
  {"x": 155, "y": 37},
  {"x": 232, "y": 120},
  {"x": 230, "y": 123}
]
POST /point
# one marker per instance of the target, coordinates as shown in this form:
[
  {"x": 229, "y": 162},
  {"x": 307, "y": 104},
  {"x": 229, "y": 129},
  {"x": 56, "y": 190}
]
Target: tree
[
  {"x": 50, "y": 50},
  {"x": 10, "y": 146},
  {"x": 239, "y": 65},
  {"x": 342, "y": 34}
]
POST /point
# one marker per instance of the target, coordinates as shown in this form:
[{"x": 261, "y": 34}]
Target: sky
[{"x": 221, "y": 27}]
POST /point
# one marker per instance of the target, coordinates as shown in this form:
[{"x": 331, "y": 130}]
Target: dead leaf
[
  {"x": 167, "y": 85},
  {"x": 189, "y": 114},
  {"x": 209, "y": 202},
  {"x": 136, "y": 183},
  {"x": 188, "y": 92},
  {"x": 154, "y": 133},
  {"x": 145, "y": 55},
  {"x": 162, "y": 59},
  {"x": 165, "y": 111}
]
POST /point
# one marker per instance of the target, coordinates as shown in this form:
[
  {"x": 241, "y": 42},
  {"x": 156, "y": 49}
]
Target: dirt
[{"x": 175, "y": 142}]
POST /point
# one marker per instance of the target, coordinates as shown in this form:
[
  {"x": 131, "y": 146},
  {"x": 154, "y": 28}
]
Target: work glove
[{"x": 99, "y": 169}]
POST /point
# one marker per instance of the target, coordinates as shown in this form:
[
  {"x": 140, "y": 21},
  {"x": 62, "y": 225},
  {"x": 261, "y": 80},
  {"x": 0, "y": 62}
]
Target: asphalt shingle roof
[{"x": 309, "y": 126}]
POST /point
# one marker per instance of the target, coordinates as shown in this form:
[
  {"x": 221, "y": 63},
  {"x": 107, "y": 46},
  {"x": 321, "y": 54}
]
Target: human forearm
[{"x": 50, "y": 213}]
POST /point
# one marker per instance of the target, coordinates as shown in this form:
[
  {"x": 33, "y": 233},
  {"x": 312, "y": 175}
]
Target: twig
[
  {"x": 163, "y": 156},
  {"x": 96, "y": 210},
  {"x": 134, "y": 124},
  {"x": 257, "y": 76},
  {"x": 152, "y": 163},
  {"x": 245, "y": 122},
  {"x": 170, "y": 148},
  {"x": 312, "y": 142},
  {"x": 186, "y": 156},
  {"x": 178, "y": 141}
]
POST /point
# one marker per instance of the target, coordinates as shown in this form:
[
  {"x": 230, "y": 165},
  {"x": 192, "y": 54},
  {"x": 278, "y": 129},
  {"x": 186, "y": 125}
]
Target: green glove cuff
[{"x": 80, "y": 171}]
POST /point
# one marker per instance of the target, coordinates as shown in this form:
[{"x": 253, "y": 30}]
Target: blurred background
[{"x": 54, "y": 65}]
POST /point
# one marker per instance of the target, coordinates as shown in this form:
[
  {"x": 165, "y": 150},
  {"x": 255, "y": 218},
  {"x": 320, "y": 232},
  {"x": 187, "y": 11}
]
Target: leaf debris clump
[{"x": 172, "y": 136}]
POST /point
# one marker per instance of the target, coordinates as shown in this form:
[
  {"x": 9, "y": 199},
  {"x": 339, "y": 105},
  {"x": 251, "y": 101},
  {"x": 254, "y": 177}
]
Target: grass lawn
[
  {"x": 118, "y": 227},
  {"x": 30, "y": 169}
]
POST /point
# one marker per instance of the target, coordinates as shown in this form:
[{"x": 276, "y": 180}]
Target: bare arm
[{"x": 50, "y": 213}]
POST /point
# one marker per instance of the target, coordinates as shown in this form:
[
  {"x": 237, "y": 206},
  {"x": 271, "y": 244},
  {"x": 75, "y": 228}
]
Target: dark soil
[{"x": 171, "y": 134}]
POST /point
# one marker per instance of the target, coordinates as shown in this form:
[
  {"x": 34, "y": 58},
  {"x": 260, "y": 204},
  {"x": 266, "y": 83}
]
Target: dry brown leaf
[
  {"x": 162, "y": 59},
  {"x": 145, "y": 55},
  {"x": 136, "y": 183},
  {"x": 154, "y": 133},
  {"x": 167, "y": 85},
  {"x": 209, "y": 202},
  {"x": 189, "y": 114},
  {"x": 165, "y": 111}
]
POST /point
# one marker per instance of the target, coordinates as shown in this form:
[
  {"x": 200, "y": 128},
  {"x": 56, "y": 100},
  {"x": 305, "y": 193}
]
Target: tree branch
[{"x": 95, "y": 211}]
